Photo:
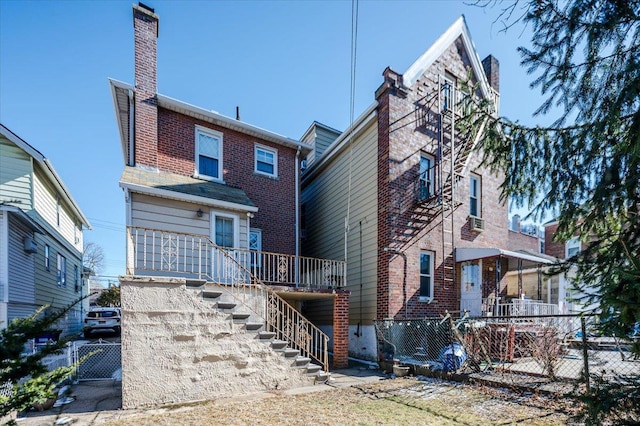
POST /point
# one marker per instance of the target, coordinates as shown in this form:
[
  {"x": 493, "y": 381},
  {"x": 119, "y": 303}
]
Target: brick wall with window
[
  {"x": 407, "y": 132},
  {"x": 274, "y": 196}
]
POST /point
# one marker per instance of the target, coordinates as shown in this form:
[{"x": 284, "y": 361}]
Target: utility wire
[{"x": 352, "y": 95}]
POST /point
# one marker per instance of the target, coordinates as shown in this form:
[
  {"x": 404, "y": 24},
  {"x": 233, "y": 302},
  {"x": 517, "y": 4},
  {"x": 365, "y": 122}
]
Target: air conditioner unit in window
[
  {"x": 30, "y": 246},
  {"x": 476, "y": 223}
]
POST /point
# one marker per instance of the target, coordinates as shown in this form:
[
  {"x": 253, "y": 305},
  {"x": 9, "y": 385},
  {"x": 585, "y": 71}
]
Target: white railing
[
  {"x": 519, "y": 307},
  {"x": 158, "y": 252},
  {"x": 195, "y": 256}
]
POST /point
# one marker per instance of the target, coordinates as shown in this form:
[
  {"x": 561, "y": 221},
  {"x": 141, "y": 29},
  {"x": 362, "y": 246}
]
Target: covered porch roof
[{"x": 532, "y": 259}]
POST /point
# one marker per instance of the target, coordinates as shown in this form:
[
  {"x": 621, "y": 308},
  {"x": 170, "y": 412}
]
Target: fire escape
[{"x": 431, "y": 199}]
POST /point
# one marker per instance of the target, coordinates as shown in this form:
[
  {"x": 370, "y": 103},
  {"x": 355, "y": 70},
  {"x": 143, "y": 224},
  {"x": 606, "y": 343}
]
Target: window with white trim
[
  {"x": 426, "y": 176},
  {"x": 62, "y": 271},
  {"x": 208, "y": 150},
  {"x": 475, "y": 195},
  {"x": 225, "y": 229},
  {"x": 448, "y": 92},
  {"x": 572, "y": 247},
  {"x": 266, "y": 161},
  {"x": 426, "y": 275}
]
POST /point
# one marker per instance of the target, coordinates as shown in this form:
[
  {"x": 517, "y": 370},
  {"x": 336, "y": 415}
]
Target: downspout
[
  {"x": 130, "y": 161},
  {"x": 4, "y": 269},
  {"x": 297, "y": 197}
]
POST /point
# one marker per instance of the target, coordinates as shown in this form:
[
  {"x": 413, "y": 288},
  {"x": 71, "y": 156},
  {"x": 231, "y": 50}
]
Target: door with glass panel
[{"x": 226, "y": 268}]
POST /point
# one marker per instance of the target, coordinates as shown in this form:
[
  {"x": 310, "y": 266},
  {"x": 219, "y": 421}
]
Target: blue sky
[{"x": 285, "y": 64}]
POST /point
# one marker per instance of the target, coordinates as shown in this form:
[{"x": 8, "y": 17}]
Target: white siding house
[{"x": 40, "y": 236}]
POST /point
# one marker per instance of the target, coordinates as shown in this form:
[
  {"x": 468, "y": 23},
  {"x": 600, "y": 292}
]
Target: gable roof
[
  {"x": 121, "y": 92},
  {"x": 50, "y": 172},
  {"x": 457, "y": 29}
]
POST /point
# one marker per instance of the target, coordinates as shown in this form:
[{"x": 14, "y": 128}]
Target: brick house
[
  {"x": 213, "y": 253},
  {"x": 402, "y": 197}
]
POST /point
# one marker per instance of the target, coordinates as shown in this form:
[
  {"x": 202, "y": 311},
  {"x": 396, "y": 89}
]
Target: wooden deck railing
[{"x": 243, "y": 274}]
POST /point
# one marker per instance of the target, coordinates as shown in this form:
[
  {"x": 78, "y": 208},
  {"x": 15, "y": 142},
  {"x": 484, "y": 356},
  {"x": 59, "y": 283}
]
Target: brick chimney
[
  {"x": 492, "y": 71},
  {"x": 145, "y": 24}
]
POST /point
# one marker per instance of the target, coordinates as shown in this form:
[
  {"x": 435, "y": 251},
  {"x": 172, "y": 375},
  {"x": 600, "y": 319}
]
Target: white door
[
  {"x": 471, "y": 288},
  {"x": 225, "y": 267}
]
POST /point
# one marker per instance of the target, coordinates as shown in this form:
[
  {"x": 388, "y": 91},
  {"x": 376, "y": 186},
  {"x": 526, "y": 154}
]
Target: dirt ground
[{"x": 400, "y": 401}]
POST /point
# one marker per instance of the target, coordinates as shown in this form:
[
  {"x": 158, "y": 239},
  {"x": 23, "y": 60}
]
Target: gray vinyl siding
[
  {"x": 48, "y": 292},
  {"x": 320, "y": 139},
  {"x": 326, "y": 198},
  {"x": 21, "y": 272},
  {"x": 178, "y": 216},
  {"x": 15, "y": 175}
]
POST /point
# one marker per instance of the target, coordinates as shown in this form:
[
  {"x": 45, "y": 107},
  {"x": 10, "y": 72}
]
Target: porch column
[{"x": 341, "y": 329}]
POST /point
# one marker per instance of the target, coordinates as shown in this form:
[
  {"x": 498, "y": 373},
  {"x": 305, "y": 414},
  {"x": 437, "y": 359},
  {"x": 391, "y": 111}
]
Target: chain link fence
[
  {"x": 555, "y": 347},
  {"x": 103, "y": 361}
]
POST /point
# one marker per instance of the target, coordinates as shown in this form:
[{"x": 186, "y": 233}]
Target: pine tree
[
  {"x": 585, "y": 167},
  {"x": 24, "y": 380}
]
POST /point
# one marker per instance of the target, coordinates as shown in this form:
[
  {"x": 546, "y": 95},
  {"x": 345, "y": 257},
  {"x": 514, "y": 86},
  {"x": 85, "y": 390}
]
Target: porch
[
  {"x": 268, "y": 285},
  {"x": 154, "y": 252}
]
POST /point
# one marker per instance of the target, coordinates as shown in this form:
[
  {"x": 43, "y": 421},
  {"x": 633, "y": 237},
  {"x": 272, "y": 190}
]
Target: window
[
  {"x": 224, "y": 231},
  {"x": 255, "y": 245},
  {"x": 448, "y": 92},
  {"x": 62, "y": 271},
  {"x": 475, "y": 195},
  {"x": 75, "y": 278},
  {"x": 266, "y": 162},
  {"x": 572, "y": 247},
  {"x": 208, "y": 153},
  {"x": 47, "y": 263},
  {"x": 426, "y": 176},
  {"x": 426, "y": 275}
]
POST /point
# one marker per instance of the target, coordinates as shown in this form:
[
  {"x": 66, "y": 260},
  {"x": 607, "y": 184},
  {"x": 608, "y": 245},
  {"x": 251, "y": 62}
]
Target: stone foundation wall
[{"x": 177, "y": 347}]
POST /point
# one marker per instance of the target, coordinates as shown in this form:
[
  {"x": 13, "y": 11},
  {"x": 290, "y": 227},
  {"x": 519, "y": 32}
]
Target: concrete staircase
[{"x": 239, "y": 315}]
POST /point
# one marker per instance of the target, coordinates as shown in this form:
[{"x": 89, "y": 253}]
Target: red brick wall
[
  {"x": 341, "y": 329},
  {"x": 407, "y": 126},
  {"x": 551, "y": 247},
  {"x": 520, "y": 241},
  {"x": 275, "y": 197},
  {"x": 146, "y": 122}
]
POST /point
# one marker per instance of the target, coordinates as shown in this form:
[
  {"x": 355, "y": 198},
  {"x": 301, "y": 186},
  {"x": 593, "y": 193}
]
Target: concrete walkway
[{"x": 99, "y": 401}]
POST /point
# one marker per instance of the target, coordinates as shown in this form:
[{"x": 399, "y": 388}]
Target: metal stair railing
[{"x": 197, "y": 257}]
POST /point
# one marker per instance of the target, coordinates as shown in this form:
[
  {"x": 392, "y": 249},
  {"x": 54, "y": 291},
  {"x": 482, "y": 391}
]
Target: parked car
[{"x": 102, "y": 319}]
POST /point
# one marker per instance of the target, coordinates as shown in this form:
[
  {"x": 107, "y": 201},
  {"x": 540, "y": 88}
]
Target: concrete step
[
  {"x": 322, "y": 376},
  {"x": 291, "y": 353},
  {"x": 302, "y": 361},
  {"x": 240, "y": 316},
  {"x": 279, "y": 345},
  {"x": 194, "y": 283},
  {"x": 313, "y": 369},
  {"x": 211, "y": 294},
  {"x": 227, "y": 305},
  {"x": 266, "y": 335},
  {"x": 254, "y": 326}
]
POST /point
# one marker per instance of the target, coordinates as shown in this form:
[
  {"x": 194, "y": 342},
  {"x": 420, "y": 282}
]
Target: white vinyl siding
[
  {"x": 51, "y": 207},
  {"x": 15, "y": 175},
  {"x": 325, "y": 199},
  {"x": 176, "y": 216}
]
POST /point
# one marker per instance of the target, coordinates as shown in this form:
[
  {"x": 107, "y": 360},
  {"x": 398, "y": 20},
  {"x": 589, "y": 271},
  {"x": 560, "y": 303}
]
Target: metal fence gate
[{"x": 103, "y": 362}]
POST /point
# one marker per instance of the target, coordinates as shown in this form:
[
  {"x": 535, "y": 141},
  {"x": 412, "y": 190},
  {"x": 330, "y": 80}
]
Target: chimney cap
[
  {"x": 144, "y": 6},
  {"x": 148, "y": 11}
]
